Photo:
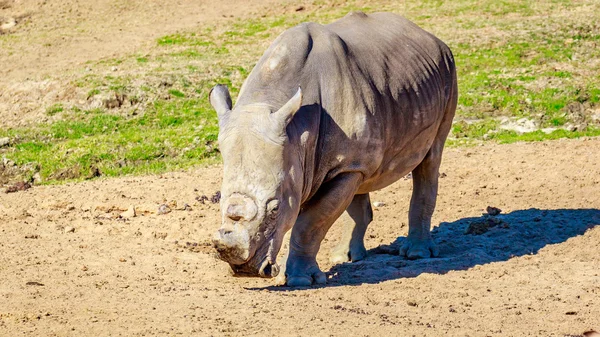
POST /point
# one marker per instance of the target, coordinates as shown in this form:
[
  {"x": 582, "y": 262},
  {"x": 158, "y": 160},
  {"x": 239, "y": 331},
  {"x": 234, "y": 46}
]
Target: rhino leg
[
  {"x": 356, "y": 219},
  {"x": 312, "y": 224},
  {"x": 419, "y": 243}
]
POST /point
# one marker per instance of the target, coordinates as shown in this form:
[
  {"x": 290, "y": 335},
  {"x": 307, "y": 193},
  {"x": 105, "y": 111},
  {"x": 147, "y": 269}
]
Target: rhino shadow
[{"x": 514, "y": 234}]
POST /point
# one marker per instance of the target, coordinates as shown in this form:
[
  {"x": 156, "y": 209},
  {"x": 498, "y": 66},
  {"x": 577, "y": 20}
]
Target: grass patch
[
  {"x": 514, "y": 59},
  {"x": 54, "y": 109}
]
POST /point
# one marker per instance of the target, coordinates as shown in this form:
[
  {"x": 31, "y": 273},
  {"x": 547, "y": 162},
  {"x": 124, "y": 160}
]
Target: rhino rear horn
[
  {"x": 288, "y": 110},
  {"x": 220, "y": 100}
]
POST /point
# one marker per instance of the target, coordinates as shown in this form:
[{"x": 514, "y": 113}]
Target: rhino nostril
[{"x": 234, "y": 217}]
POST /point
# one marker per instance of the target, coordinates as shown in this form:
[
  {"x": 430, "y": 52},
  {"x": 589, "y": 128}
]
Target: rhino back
[{"x": 375, "y": 91}]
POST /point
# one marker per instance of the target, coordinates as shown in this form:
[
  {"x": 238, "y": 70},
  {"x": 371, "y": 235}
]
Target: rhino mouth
[
  {"x": 262, "y": 263},
  {"x": 267, "y": 269}
]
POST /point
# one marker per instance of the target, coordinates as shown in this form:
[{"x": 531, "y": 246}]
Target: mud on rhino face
[{"x": 259, "y": 202}]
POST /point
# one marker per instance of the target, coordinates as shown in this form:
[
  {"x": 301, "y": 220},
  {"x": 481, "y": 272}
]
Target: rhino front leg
[
  {"x": 356, "y": 219},
  {"x": 312, "y": 224},
  {"x": 419, "y": 243}
]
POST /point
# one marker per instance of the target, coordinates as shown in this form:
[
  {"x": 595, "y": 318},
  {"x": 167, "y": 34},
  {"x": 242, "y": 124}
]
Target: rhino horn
[
  {"x": 285, "y": 114},
  {"x": 220, "y": 100}
]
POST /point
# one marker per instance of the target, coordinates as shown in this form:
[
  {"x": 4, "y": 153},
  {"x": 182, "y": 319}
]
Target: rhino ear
[
  {"x": 284, "y": 115},
  {"x": 220, "y": 100}
]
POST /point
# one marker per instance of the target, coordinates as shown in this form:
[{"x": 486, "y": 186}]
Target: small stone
[
  {"x": 19, "y": 186},
  {"x": 4, "y": 141},
  {"x": 122, "y": 260},
  {"x": 163, "y": 209},
  {"x": 411, "y": 303},
  {"x": 37, "y": 178},
  {"x": 379, "y": 204},
  {"x": 493, "y": 211},
  {"x": 477, "y": 228},
  {"x": 69, "y": 229},
  {"x": 216, "y": 198},
  {"x": 129, "y": 213},
  {"x": 202, "y": 199},
  {"x": 8, "y": 24},
  {"x": 84, "y": 268}
]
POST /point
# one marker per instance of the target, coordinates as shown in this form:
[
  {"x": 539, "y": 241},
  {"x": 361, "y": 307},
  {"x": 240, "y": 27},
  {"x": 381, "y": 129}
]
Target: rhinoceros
[{"x": 329, "y": 114}]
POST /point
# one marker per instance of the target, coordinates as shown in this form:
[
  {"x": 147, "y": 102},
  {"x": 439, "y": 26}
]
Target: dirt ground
[
  {"x": 50, "y": 37},
  {"x": 70, "y": 265},
  {"x": 45, "y": 45}
]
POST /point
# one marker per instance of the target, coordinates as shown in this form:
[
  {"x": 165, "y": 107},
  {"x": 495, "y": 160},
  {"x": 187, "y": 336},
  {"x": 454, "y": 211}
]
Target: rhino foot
[
  {"x": 303, "y": 272},
  {"x": 419, "y": 248},
  {"x": 343, "y": 254}
]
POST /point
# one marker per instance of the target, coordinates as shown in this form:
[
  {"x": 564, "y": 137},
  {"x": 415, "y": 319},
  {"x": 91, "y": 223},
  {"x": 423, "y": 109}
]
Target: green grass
[
  {"x": 54, "y": 109},
  {"x": 515, "y": 59}
]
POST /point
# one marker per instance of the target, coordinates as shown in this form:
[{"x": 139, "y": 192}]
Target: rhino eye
[{"x": 273, "y": 206}]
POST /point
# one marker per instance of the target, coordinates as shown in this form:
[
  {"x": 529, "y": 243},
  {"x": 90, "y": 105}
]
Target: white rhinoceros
[{"x": 377, "y": 99}]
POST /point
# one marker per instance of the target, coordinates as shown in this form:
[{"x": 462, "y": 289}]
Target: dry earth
[
  {"x": 50, "y": 37},
  {"x": 45, "y": 45},
  {"x": 71, "y": 266}
]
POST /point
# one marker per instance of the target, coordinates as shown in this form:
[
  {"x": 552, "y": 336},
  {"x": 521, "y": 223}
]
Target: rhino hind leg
[
  {"x": 355, "y": 220},
  {"x": 419, "y": 243}
]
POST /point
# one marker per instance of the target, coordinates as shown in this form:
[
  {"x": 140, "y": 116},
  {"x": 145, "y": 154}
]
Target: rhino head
[{"x": 260, "y": 195}]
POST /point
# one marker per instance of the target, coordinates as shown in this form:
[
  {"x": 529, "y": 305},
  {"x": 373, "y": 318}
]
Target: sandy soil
[
  {"x": 45, "y": 45},
  {"x": 49, "y": 37},
  {"x": 71, "y": 266}
]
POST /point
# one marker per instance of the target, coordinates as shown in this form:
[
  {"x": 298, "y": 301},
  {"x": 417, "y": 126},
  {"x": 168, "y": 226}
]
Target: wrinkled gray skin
[{"x": 377, "y": 99}]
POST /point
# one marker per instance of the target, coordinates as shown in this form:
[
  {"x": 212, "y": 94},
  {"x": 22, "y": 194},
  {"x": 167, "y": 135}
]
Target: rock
[
  {"x": 37, "y": 178},
  {"x": 493, "y": 211},
  {"x": 379, "y": 204},
  {"x": 8, "y": 24},
  {"x": 19, "y": 186},
  {"x": 216, "y": 198},
  {"x": 569, "y": 127},
  {"x": 163, "y": 209},
  {"x": 481, "y": 226},
  {"x": 477, "y": 228},
  {"x": 202, "y": 199},
  {"x": 4, "y": 141},
  {"x": 69, "y": 229},
  {"x": 129, "y": 213},
  {"x": 520, "y": 126}
]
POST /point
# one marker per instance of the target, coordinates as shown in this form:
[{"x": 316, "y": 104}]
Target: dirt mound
[{"x": 101, "y": 258}]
